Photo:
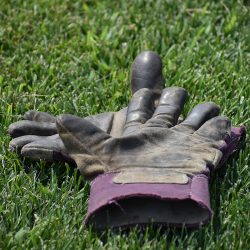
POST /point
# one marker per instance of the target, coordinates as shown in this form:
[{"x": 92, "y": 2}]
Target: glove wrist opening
[{"x": 123, "y": 205}]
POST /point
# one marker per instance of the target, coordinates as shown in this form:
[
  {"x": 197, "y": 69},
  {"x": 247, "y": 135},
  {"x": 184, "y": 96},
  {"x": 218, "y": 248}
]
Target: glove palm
[{"x": 152, "y": 148}]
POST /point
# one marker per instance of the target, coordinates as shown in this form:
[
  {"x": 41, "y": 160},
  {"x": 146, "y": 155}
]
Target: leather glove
[
  {"x": 157, "y": 171},
  {"x": 36, "y": 136}
]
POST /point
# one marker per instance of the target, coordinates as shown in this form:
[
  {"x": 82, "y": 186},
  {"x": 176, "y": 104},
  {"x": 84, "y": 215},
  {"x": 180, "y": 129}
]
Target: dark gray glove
[
  {"x": 157, "y": 170},
  {"x": 36, "y": 136}
]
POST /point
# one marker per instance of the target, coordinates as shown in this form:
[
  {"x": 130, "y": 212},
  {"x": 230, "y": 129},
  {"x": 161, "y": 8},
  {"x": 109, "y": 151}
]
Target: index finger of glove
[
  {"x": 140, "y": 109},
  {"x": 26, "y": 127}
]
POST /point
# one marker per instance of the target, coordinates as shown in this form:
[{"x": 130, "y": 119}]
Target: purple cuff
[
  {"x": 121, "y": 205},
  {"x": 234, "y": 143},
  {"x": 124, "y": 205}
]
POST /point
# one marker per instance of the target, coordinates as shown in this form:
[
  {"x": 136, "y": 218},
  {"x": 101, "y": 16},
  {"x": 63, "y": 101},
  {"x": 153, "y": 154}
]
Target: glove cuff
[{"x": 124, "y": 205}]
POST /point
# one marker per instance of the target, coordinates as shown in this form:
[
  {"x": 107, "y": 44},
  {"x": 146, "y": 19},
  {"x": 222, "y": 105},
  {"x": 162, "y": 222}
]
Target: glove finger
[
  {"x": 169, "y": 108},
  {"x": 50, "y": 149},
  {"x": 80, "y": 135},
  {"x": 37, "y": 116},
  {"x": 140, "y": 109},
  {"x": 84, "y": 142},
  {"x": 146, "y": 72},
  {"x": 26, "y": 127},
  {"x": 18, "y": 142},
  {"x": 199, "y": 115},
  {"x": 217, "y": 128}
]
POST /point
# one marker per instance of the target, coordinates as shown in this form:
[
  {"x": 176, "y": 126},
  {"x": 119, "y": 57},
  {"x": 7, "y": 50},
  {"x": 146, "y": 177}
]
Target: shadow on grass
[
  {"x": 220, "y": 182},
  {"x": 44, "y": 171}
]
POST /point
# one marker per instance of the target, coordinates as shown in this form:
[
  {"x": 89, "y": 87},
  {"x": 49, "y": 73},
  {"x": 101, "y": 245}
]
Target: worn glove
[
  {"x": 36, "y": 136},
  {"x": 156, "y": 171}
]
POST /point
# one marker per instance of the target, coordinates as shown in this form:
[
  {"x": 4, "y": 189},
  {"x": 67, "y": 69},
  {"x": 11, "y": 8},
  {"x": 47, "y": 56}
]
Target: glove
[
  {"x": 36, "y": 136},
  {"x": 157, "y": 171}
]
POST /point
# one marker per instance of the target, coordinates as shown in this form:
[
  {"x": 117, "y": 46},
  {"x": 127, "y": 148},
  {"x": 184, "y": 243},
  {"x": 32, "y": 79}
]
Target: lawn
[{"x": 68, "y": 56}]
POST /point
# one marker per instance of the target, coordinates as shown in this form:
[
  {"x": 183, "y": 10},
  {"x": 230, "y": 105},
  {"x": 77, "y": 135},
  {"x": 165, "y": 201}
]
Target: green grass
[{"x": 68, "y": 56}]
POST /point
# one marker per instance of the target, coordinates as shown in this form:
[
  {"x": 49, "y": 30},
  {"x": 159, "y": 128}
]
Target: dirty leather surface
[
  {"x": 153, "y": 148},
  {"x": 35, "y": 136}
]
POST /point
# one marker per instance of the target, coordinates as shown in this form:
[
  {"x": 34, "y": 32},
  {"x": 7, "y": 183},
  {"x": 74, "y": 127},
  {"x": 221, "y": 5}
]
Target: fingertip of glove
[
  {"x": 212, "y": 105},
  {"x": 12, "y": 147},
  {"x": 209, "y": 108},
  {"x": 148, "y": 57},
  {"x": 12, "y": 130},
  {"x": 147, "y": 72},
  {"x": 29, "y": 115}
]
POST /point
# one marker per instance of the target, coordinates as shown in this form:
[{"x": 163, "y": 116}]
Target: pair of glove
[{"x": 147, "y": 167}]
